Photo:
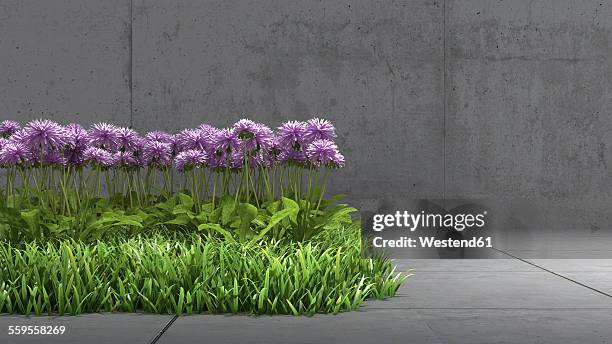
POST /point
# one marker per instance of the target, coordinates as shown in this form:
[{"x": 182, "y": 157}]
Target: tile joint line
[
  {"x": 161, "y": 333},
  {"x": 552, "y": 272}
]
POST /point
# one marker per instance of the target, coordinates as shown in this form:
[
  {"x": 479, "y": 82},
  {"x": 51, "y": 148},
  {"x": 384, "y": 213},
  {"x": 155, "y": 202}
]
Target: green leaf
[
  {"x": 276, "y": 218},
  {"x": 217, "y": 228},
  {"x": 31, "y": 218},
  {"x": 273, "y": 207},
  {"x": 291, "y": 204},
  {"x": 180, "y": 219},
  {"x": 185, "y": 200},
  {"x": 247, "y": 213},
  {"x": 228, "y": 205},
  {"x": 128, "y": 222},
  {"x": 342, "y": 215},
  {"x": 167, "y": 206}
]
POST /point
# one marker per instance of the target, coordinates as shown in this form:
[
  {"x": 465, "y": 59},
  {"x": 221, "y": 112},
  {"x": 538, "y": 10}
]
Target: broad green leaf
[
  {"x": 273, "y": 207},
  {"x": 31, "y": 217},
  {"x": 186, "y": 200},
  {"x": 293, "y": 206},
  {"x": 217, "y": 228},
  {"x": 128, "y": 222},
  {"x": 275, "y": 219},
  {"x": 247, "y": 213},
  {"x": 181, "y": 219},
  {"x": 343, "y": 215},
  {"x": 228, "y": 205}
]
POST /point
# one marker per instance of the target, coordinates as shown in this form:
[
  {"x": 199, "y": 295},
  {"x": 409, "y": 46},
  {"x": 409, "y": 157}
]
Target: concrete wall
[
  {"x": 67, "y": 60},
  {"x": 506, "y": 100},
  {"x": 529, "y": 113}
]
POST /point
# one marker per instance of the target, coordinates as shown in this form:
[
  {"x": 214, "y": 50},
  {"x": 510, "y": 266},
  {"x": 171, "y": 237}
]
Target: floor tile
[
  {"x": 462, "y": 265},
  {"x": 520, "y": 326},
  {"x": 374, "y": 326},
  {"x": 601, "y": 281},
  {"x": 492, "y": 290},
  {"x": 574, "y": 265}
]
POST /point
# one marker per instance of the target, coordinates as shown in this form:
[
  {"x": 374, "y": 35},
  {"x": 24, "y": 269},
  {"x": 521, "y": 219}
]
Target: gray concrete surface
[
  {"x": 385, "y": 326},
  {"x": 506, "y": 100},
  {"x": 528, "y": 111},
  {"x": 373, "y": 68},
  {"x": 487, "y": 326},
  {"x": 67, "y": 60},
  {"x": 445, "y": 301},
  {"x": 88, "y": 328}
]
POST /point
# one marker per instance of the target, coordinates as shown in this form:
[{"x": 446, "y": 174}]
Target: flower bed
[{"x": 218, "y": 220}]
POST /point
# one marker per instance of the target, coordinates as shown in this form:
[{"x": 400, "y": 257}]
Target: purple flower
[
  {"x": 214, "y": 161},
  {"x": 159, "y": 136},
  {"x": 291, "y": 155},
  {"x": 157, "y": 153},
  {"x": 46, "y": 142},
  {"x": 324, "y": 152},
  {"x": 189, "y": 159},
  {"x": 236, "y": 159},
  {"x": 98, "y": 156},
  {"x": 164, "y": 137},
  {"x": 76, "y": 136},
  {"x": 244, "y": 128},
  {"x": 319, "y": 129},
  {"x": 13, "y": 153},
  {"x": 104, "y": 135},
  {"x": 124, "y": 159},
  {"x": 271, "y": 155},
  {"x": 190, "y": 139},
  {"x": 275, "y": 146},
  {"x": 257, "y": 159},
  {"x": 291, "y": 134},
  {"x": 77, "y": 140},
  {"x": 17, "y": 137},
  {"x": 210, "y": 133},
  {"x": 209, "y": 129},
  {"x": 54, "y": 158},
  {"x": 74, "y": 156},
  {"x": 43, "y": 134},
  {"x": 8, "y": 128},
  {"x": 338, "y": 160},
  {"x": 127, "y": 139},
  {"x": 264, "y": 136},
  {"x": 221, "y": 159},
  {"x": 254, "y": 136},
  {"x": 225, "y": 140}
]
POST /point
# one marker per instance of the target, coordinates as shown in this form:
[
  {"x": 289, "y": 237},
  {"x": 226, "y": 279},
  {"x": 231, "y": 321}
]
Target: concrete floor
[{"x": 445, "y": 301}]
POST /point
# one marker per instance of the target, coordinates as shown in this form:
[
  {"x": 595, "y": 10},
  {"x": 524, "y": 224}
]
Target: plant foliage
[{"x": 191, "y": 274}]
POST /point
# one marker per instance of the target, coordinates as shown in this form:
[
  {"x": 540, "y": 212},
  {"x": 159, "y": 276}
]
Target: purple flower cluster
[
  {"x": 8, "y": 128},
  {"x": 246, "y": 143}
]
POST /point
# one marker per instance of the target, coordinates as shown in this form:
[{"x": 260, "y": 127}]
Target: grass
[{"x": 190, "y": 273}]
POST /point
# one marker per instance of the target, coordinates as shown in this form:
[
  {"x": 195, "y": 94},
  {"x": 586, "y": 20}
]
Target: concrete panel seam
[
  {"x": 444, "y": 67},
  {"x": 131, "y": 71}
]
